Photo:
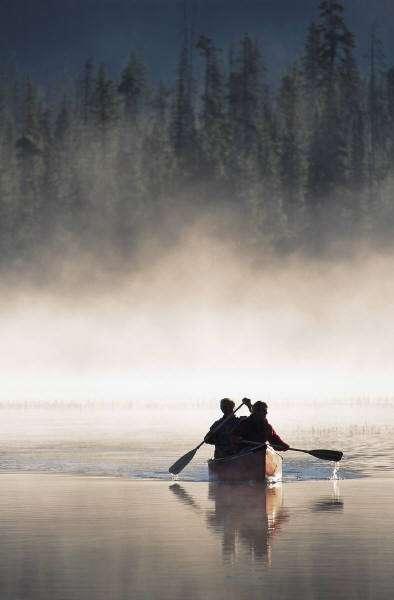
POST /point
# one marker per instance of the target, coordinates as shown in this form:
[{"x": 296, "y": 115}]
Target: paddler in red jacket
[{"x": 257, "y": 429}]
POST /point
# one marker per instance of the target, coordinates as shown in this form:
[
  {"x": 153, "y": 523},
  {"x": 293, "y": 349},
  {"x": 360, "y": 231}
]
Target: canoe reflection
[{"x": 247, "y": 516}]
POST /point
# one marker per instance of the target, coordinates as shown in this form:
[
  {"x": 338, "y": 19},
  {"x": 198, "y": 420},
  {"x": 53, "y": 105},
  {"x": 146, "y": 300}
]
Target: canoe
[{"x": 261, "y": 465}]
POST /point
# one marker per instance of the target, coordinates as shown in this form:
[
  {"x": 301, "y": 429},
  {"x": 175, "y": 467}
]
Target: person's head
[
  {"x": 226, "y": 406},
  {"x": 260, "y": 409}
]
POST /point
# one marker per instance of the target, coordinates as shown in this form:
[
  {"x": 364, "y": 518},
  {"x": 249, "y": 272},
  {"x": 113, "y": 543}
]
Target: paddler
[
  {"x": 220, "y": 433},
  {"x": 256, "y": 428}
]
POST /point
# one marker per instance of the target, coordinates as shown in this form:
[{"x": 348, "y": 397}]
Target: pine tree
[
  {"x": 214, "y": 130},
  {"x": 183, "y": 126},
  {"x": 390, "y": 115},
  {"x": 48, "y": 190},
  {"x": 63, "y": 122},
  {"x": 9, "y": 181},
  {"x": 377, "y": 116},
  {"x": 86, "y": 92},
  {"x": 133, "y": 87},
  {"x": 64, "y": 147},
  {"x": 105, "y": 106},
  {"x": 245, "y": 96},
  {"x": 30, "y": 142},
  {"x": 158, "y": 154},
  {"x": 327, "y": 150},
  {"x": 290, "y": 150},
  {"x": 30, "y": 163},
  {"x": 311, "y": 62}
]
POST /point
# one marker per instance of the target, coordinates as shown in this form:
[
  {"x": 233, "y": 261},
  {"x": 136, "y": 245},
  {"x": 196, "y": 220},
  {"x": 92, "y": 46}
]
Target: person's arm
[
  {"x": 210, "y": 438},
  {"x": 276, "y": 442}
]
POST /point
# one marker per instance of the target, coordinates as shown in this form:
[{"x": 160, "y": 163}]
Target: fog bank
[{"x": 203, "y": 322}]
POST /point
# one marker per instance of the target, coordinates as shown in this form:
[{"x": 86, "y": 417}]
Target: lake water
[
  {"x": 89, "y": 511},
  {"x": 89, "y": 538},
  {"x": 143, "y": 444}
]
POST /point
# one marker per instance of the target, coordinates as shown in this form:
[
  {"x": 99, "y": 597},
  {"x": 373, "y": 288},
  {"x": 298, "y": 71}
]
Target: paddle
[
  {"x": 181, "y": 463},
  {"x": 331, "y": 455}
]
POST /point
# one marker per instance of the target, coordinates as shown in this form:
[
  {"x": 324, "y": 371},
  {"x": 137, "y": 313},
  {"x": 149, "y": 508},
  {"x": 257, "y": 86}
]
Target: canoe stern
[{"x": 263, "y": 465}]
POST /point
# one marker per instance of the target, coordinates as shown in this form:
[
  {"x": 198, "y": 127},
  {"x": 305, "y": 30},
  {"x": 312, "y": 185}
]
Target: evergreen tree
[
  {"x": 109, "y": 160},
  {"x": 105, "y": 106},
  {"x": 290, "y": 151},
  {"x": 214, "y": 130},
  {"x": 86, "y": 92},
  {"x": 311, "y": 62},
  {"x": 245, "y": 96},
  {"x": 9, "y": 180},
  {"x": 30, "y": 153},
  {"x": 69, "y": 209},
  {"x": 63, "y": 122},
  {"x": 133, "y": 87},
  {"x": 183, "y": 126},
  {"x": 327, "y": 151},
  {"x": 377, "y": 115},
  {"x": 390, "y": 115},
  {"x": 158, "y": 154},
  {"x": 48, "y": 190}
]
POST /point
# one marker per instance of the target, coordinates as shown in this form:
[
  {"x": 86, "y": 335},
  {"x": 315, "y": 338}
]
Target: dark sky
[{"x": 51, "y": 38}]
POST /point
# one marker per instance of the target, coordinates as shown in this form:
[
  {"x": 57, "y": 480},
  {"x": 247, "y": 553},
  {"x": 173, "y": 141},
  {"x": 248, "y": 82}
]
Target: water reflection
[
  {"x": 185, "y": 497},
  {"x": 247, "y": 517},
  {"x": 329, "y": 503}
]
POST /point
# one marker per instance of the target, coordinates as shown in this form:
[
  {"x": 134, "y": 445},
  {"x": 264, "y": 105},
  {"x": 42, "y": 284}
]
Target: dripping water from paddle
[{"x": 334, "y": 476}]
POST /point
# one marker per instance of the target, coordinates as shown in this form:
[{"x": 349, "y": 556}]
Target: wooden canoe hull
[{"x": 264, "y": 465}]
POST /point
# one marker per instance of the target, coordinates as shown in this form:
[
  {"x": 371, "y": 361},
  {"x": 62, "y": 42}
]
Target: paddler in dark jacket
[
  {"x": 257, "y": 429},
  {"x": 221, "y": 435}
]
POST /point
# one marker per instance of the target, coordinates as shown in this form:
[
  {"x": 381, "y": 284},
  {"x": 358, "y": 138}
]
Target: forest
[{"x": 101, "y": 162}]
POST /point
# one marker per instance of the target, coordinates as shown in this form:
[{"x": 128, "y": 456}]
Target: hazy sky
[{"x": 52, "y": 37}]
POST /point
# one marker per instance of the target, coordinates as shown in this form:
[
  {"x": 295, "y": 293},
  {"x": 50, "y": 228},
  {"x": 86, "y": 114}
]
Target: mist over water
[
  {"x": 119, "y": 373},
  {"x": 200, "y": 322}
]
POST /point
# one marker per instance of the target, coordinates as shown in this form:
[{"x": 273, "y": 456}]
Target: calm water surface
[
  {"x": 142, "y": 444},
  {"x": 89, "y": 511},
  {"x": 68, "y": 537}
]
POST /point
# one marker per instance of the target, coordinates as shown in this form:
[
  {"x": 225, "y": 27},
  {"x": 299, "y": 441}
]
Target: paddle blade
[
  {"x": 332, "y": 455},
  {"x": 181, "y": 463}
]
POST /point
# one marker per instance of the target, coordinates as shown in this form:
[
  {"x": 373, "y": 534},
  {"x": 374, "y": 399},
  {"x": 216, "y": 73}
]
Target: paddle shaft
[{"x": 331, "y": 455}]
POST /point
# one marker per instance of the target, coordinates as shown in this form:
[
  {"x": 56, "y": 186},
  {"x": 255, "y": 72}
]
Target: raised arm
[{"x": 247, "y": 403}]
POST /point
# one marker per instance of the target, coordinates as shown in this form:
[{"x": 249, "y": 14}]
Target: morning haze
[
  {"x": 288, "y": 327},
  {"x": 196, "y": 204}
]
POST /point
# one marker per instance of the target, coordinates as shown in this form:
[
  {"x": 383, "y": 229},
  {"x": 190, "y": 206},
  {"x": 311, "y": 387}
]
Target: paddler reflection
[{"x": 247, "y": 517}]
